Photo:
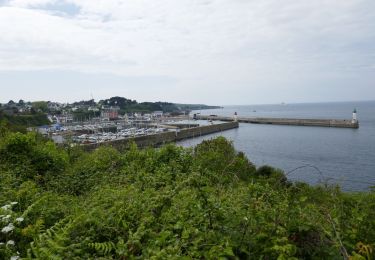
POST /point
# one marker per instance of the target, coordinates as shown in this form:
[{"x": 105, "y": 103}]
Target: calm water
[{"x": 343, "y": 156}]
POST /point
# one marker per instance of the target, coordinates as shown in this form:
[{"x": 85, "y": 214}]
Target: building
[
  {"x": 157, "y": 114},
  {"x": 93, "y": 109},
  {"x": 64, "y": 119},
  {"x": 54, "y": 106},
  {"x": 109, "y": 112}
]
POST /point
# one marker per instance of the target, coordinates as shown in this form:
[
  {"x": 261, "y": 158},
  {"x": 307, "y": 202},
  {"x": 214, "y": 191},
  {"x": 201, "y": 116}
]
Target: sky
[{"x": 218, "y": 52}]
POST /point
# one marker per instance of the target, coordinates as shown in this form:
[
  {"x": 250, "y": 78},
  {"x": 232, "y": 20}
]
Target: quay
[
  {"x": 165, "y": 137},
  {"x": 285, "y": 121}
]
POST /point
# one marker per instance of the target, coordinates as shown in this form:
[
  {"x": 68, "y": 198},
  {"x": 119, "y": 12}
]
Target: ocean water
[{"x": 310, "y": 154}]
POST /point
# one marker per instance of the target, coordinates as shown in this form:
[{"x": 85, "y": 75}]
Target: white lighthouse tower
[
  {"x": 354, "y": 118},
  {"x": 235, "y": 117}
]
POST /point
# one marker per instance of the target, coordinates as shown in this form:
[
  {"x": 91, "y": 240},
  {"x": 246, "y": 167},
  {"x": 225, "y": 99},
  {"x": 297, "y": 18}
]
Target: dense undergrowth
[{"x": 209, "y": 202}]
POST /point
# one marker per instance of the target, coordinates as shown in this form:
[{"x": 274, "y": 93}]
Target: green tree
[{"x": 40, "y": 106}]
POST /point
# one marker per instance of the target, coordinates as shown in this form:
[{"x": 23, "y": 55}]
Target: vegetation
[
  {"x": 209, "y": 202},
  {"x": 40, "y": 106},
  {"x": 129, "y": 106},
  {"x": 195, "y": 106},
  {"x": 19, "y": 122}
]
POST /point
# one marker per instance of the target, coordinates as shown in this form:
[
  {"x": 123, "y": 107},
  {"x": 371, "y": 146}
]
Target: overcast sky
[{"x": 190, "y": 51}]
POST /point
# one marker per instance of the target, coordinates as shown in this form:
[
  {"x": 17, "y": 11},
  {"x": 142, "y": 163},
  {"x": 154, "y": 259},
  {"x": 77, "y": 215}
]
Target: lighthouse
[
  {"x": 235, "y": 117},
  {"x": 354, "y": 119}
]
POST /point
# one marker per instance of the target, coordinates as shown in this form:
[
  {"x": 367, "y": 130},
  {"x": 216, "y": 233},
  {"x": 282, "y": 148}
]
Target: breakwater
[
  {"x": 166, "y": 137},
  {"x": 286, "y": 121}
]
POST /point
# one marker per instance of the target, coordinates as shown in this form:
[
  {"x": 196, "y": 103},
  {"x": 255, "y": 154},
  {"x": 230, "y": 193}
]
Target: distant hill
[
  {"x": 195, "y": 106},
  {"x": 128, "y": 105}
]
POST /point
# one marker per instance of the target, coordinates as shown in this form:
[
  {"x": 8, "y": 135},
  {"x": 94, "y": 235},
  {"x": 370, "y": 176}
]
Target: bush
[
  {"x": 29, "y": 157},
  {"x": 219, "y": 159},
  {"x": 171, "y": 202}
]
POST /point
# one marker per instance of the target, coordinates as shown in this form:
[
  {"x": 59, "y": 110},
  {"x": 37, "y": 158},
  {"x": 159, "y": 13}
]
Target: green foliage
[
  {"x": 87, "y": 170},
  {"x": 271, "y": 175},
  {"x": 209, "y": 202},
  {"x": 19, "y": 123},
  {"x": 40, "y": 106},
  {"x": 219, "y": 158},
  {"x": 29, "y": 157},
  {"x": 127, "y": 105}
]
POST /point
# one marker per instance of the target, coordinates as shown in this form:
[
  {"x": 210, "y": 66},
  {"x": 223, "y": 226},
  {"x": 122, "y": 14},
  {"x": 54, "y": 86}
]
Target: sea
[{"x": 315, "y": 155}]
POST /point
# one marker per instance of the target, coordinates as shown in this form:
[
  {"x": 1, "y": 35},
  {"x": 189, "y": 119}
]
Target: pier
[
  {"x": 285, "y": 121},
  {"x": 166, "y": 137}
]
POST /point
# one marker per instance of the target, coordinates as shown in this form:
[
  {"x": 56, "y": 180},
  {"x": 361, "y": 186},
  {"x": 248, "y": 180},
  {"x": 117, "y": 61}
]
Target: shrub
[{"x": 208, "y": 202}]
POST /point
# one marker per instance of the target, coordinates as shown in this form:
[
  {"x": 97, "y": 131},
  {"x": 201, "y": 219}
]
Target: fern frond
[{"x": 103, "y": 248}]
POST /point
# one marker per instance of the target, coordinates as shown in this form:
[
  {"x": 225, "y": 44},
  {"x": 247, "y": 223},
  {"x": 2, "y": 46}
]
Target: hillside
[
  {"x": 209, "y": 202},
  {"x": 128, "y": 105},
  {"x": 19, "y": 122}
]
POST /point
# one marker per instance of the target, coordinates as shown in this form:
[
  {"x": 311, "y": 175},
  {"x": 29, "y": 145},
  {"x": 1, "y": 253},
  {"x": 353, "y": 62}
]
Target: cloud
[
  {"x": 205, "y": 43},
  {"x": 30, "y": 3}
]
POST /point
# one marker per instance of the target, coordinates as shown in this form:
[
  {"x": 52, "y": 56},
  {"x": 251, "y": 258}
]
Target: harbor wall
[
  {"x": 166, "y": 137},
  {"x": 288, "y": 121}
]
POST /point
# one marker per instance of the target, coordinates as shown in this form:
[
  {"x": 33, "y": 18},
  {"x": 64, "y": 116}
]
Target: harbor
[
  {"x": 157, "y": 128},
  {"x": 164, "y": 137},
  {"x": 156, "y": 131},
  {"x": 143, "y": 131}
]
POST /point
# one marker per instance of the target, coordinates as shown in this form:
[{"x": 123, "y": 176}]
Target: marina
[
  {"x": 148, "y": 131},
  {"x": 164, "y": 137},
  {"x": 144, "y": 132}
]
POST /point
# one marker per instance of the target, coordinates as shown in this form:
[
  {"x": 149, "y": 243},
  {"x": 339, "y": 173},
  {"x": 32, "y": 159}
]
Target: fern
[
  {"x": 51, "y": 243},
  {"x": 103, "y": 248}
]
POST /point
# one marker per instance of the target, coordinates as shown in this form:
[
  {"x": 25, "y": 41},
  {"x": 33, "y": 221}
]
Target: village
[
  {"x": 90, "y": 122},
  {"x": 110, "y": 126}
]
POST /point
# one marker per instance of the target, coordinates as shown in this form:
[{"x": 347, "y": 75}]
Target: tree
[{"x": 40, "y": 106}]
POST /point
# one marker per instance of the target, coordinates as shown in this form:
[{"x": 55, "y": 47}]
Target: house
[
  {"x": 94, "y": 109},
  {"x": 109, "y": 112},
  {"x": 53, "y": 106},
  {"x": 64, "y": 119},
  {"x": 157, "y": 114}
]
